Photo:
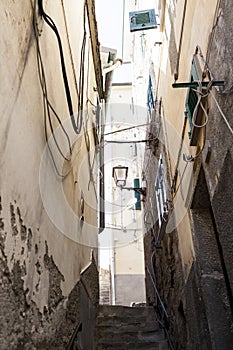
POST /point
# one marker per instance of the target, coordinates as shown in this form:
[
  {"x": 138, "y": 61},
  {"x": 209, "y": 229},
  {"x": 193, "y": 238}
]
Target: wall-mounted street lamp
[{"x": 120, "y": 173}]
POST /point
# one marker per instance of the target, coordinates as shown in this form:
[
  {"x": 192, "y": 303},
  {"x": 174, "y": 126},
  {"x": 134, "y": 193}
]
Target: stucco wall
[{"x": 40, "y": 265}]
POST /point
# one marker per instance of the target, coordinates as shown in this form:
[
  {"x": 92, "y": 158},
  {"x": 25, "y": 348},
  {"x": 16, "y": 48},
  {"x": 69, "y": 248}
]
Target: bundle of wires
[
  {"x": 47, "y": 105},
  {"x": 76, "y": 124},
  {"x": 48, "y": 108}
]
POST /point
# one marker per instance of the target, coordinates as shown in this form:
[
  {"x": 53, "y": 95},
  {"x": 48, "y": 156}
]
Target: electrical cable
[
  {"x": 86, "y": 133},
  {"x": 124, "y": 229},
  {"x": 190, "y": 158},
  {"x": 129, "y": 128},
  {"x": 181, "y": 179},
  {"x": 129, "y": 141},
  {"x": 221, "y": 112},
  {"x": 70, "y": 50},
  {"x": 51, "y": 24},
  {"x": 77, "y": 127},
  {"x": 46, "y": 104},
  {"x": 201, "y": 95},
  {"x": 210, "y": 74},
  {"x": 195, "y": 114},
  {"x": 49, "y": 106}
]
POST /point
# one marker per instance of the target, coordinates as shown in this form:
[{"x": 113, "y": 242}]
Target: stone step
[
  {"x": 106, "y": 327},
  {"x": 123, "y": 327},
  {"x": 162, "y": 345},
  {"x": 119, "y": 310},
  {"x": 125, "y": 316},
  {"x": 139, "y": 337},
  {"x": 121, "y": 321}
]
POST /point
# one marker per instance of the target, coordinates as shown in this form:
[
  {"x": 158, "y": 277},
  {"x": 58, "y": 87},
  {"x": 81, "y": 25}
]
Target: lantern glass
[{"x": 120, "y": 173}]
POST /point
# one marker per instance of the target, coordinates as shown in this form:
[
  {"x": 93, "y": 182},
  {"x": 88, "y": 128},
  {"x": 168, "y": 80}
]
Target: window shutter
[
  {"x": 137, "y": 195},
  {"x": 192, "y": 98}
]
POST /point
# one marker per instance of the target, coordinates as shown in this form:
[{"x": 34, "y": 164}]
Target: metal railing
[
  {"x": 162, "y": 315},
  {"x": 71, "y": 345}
]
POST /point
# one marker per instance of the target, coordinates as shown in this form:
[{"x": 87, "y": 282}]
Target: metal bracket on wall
[{"x": 194, "y": 84}]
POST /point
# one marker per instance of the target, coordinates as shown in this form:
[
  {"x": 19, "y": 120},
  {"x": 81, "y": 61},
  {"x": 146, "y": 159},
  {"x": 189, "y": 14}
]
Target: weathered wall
[
  {"x": 194, "y": 262},
  {"x": 40, "y": 265},
  {"x": 130, "y": 288}
]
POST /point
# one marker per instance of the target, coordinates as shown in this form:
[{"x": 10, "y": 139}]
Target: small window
[
  {"x": 133, "y": 150},
  {"x": 160, "y": 191},
  {"x": 140, "y": 20},
  {"x": 150, "y": 97}
]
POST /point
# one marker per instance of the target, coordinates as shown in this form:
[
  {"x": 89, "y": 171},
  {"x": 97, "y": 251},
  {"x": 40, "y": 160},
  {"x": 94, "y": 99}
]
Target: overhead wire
[
  {"x": 221, "y": 112},
  {"x": 129, "y": 141},
  {"x": 128, "y": 128},
  {"x": 47, "y": 105},
  {"x": 228, "y": 91}
]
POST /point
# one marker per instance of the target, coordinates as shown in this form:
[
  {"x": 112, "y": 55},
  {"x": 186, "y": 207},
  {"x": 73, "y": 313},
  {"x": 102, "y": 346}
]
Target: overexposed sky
[{"x": 109, "y": 14}]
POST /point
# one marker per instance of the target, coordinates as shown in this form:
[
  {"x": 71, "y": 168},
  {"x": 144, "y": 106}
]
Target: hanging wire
[
  {"x": 49, "y": 21},
  {"x": 70, "y": 50},
  {"x": 47, "y": 105},
  {"x": 201, "y": 96},
  {"x": 228, "y": 91},
  {"x": 222, "y": 114},
  {"x": 128, "y": 128}
]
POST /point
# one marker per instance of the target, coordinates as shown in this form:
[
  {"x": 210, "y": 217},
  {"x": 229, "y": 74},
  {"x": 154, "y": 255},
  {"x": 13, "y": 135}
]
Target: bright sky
[{"x": 109, "y": 15}]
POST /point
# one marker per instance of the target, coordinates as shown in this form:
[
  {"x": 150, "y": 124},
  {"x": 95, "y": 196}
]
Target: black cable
[
  {"x": 52, "y": 25},
  {"x": 129, "y": 141},
  {"x": 47, "y": 105}
]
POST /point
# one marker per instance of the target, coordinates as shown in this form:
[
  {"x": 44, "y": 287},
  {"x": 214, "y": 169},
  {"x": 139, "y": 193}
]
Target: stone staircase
[{"x": 122, "y": 327}]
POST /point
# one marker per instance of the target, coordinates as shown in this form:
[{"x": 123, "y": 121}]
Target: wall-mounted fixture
[
  {"x": 141, "y": 20},
  {"x": 198, "y": 88},
  {"x": 120, "y": 173}
]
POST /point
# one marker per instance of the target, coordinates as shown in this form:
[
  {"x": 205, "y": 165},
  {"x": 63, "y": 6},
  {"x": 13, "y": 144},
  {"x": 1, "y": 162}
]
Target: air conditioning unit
[{"x": 141, "y": 20}]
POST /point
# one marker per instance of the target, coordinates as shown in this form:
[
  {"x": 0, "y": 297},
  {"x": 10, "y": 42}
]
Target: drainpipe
[
  {"x": 113, "y": 275},
  {"x": 110, "y": 67}
]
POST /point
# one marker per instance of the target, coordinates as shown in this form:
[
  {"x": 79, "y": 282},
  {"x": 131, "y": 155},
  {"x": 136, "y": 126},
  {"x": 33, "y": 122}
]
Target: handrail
[
  {"x": 77, "y": 329},
  {"x": 166, "y": 324},
  {"x": 157, "y": 294}
]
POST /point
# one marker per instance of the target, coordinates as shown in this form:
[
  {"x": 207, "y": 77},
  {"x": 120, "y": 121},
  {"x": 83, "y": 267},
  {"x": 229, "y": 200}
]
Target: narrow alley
[{"x": 116, "y": 194}]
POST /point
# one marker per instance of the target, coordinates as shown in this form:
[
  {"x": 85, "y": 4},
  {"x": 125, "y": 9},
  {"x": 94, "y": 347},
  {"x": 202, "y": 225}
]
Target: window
[
  {"x": 160, "y": 191},
  {"x": 140, "y": 20},
  {"x": 150, "y": 97}
]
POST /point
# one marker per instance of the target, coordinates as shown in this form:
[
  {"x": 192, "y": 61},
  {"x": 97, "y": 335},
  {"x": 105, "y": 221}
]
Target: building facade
[
  {"x": 188, "y": 245},
  {"x": 51, "y": 98}
]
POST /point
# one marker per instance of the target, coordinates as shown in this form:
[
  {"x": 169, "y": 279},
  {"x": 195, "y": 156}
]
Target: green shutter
[
  {"x": 192, "y": 98},
  {"x": 137, "y": 195}
]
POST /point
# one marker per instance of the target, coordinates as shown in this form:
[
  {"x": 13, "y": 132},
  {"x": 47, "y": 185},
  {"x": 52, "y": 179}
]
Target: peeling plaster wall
[{"x": 40, "y": 266}]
